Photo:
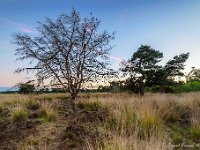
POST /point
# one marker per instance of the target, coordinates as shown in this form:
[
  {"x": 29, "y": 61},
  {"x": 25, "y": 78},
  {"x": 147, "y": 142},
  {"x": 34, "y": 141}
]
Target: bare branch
[{"x": 69, "y": 50}]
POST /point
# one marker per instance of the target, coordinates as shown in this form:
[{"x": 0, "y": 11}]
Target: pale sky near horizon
[{"x": 171, "y": 26}]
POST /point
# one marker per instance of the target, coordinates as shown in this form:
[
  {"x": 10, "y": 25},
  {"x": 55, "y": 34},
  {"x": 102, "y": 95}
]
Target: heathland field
[{"x": 102, "y": 121}]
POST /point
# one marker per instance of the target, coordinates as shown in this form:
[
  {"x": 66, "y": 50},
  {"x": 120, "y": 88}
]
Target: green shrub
[
  {"x": 26, "y": 88},
  {"x": 188, "y": 87}
]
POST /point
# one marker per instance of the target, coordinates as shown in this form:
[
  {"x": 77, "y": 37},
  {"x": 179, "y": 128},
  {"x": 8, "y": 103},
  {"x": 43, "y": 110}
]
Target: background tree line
[{"x": 144, "y": 73}]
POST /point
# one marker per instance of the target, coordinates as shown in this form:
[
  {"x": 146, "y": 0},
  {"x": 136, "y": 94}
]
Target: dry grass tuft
[
  {"x": 18, "y": 114},
  {"x": 47, "y": 113}
]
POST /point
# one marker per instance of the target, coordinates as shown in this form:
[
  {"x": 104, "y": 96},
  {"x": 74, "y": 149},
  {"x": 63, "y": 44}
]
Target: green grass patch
[
  {"x": 181, "y": 134},
  {"x": 195, "y": 133},
  {"x": 188, "y": 87}
]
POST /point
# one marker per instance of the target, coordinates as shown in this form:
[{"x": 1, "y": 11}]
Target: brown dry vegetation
[{"x": 103, "y": 121}]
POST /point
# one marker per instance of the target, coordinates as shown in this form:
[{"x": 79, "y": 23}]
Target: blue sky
[{"x": 171, "y": 26}]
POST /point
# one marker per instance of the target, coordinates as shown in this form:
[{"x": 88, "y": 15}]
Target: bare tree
[{"x": 70, "y": 51}]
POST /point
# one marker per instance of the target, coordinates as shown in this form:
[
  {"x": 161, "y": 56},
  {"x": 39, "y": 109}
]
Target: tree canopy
[
  {"x": 70, "y": 50},
  {"x": 144, "y": 70},
  {"x": 143, "y": 63},
  {"x": 193, "y": 75}
]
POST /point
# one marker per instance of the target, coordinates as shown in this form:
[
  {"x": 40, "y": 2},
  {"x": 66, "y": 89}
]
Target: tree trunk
[
  {"x": 73, "y": 99},
  {"x": 141, "y": 86},
  {"x": 141, "y": 92}
]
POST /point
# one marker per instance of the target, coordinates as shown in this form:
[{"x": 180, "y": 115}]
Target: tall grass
[
  {"x": 133, "y": 122},
  {"x": 140, "y": 123}
]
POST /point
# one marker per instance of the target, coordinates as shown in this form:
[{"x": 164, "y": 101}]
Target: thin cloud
[
  {"x": 19, "y": 26},
  {"x": 115, "y": 58},
  {"x": 122, "y": 17}
]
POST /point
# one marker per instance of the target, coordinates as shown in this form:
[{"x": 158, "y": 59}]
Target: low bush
[{"x": 26, "y": 88}]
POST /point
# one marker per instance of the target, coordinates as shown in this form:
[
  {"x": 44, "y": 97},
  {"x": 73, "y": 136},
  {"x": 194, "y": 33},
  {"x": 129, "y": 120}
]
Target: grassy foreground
[{"x": 103, "y": 121}]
